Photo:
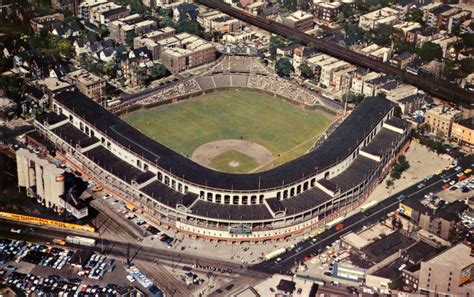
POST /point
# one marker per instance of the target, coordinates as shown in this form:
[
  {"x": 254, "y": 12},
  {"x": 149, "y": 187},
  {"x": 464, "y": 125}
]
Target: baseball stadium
[{"x": 236, "y": 153}]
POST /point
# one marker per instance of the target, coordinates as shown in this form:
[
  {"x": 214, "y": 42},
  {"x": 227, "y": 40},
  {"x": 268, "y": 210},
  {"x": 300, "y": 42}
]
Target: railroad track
[{"x": 436, "y": 87}]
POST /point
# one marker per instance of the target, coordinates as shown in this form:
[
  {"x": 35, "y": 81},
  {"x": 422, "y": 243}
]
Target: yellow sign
[
  {"x": 40, "y": 221},
  {"x": 406, "y": 210}
]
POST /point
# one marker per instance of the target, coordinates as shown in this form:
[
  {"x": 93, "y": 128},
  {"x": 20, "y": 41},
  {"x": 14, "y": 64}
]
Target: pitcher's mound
[{"x": 232, "y": 155}]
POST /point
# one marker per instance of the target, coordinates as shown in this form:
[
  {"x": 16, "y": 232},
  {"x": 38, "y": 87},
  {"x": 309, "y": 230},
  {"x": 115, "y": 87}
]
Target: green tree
[
  {"x": 284, "y": 68},
  {"x": 430, "y": 51},
  {"x": 404, "y": 46},
  {"x": 396, "y": 283},
  {"x": 382, "y": 34},
  {"x": 352, "y": 98},
  {"x": 468, "y": 39},
  {"x": 306, "y": 71},
  {"x": 353, "y": 30},
  {"x": 109, "y": 68},
  {"x": 414, "y": 15},
  {"x": 275, "y": 43},
  {"x": 158, "y": 71},
  {"x": 400, "y": 166},
  {"x": 190, "y": 26},
  {"x": 467, "y": 66}
]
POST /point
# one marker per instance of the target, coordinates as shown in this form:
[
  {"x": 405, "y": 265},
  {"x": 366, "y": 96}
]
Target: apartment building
[
  {"x": 88, "y": 83},
  {"x": 402, "y": 60},
  {"x": 463, "y": 131},
  {"x": 402, "y": 29},
  {"x": 439, "y": 221},
  {"x": 299, "y": 20},
  {"x": 448, "y": 273},
  {"x": 440, "y": 119},
  {"x": 47, "y": 23},
  {"x": 103, "y": 14},
  {"x": 456, "y": 21},
  {"x": 66, "y": 5},
  {"x": 342, "y": 78},
  {"x": 318, "y": 62},
  {"x": 150, "y": 40},
  {"x": 326, "y": 11},
  {"x": 422, "y": 35},
  {"x": 440, "y": 16},
  {"x": 377, "y": 52},
  {"x": 359, "y": 78},
  {"x": 86, "y": 5},
  {"x": 130, "y": 26},
  {"x": 185, "y": 51},
  {"x": 216, "y": 21},
  {"x": 375, "y": 18}
]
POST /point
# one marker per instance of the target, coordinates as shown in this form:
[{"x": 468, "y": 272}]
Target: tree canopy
[
  {"x": 306, "y": 71},
  {"x": 284, "y": 68},
  {"x": 414, "y": 15},
  {"x": 430, "y": 51},
  {"x": 275, "y": 43}
]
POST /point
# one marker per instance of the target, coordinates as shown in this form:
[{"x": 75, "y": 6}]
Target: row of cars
[
  {"x": 97, "y": 266},
  {"x": 461, "y": 176},
  {"x": 53, "y": 285},
  {"x": 37, "y": 254}
]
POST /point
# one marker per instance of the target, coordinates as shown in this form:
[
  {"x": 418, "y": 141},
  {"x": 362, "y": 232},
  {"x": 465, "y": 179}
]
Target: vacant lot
[{"x": 285, "y": 130}]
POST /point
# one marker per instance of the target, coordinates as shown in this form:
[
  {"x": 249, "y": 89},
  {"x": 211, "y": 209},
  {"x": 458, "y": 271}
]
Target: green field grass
[
  {"x": 221, "y": 162},
  {"x": 284, "y": 129}
]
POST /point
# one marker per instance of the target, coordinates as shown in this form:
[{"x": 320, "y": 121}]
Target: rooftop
[
  {"x": 387, "y": 246},
  {"x": 456, "y": 256}
]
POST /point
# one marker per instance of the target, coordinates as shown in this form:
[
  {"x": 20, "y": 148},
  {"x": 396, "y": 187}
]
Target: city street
[{"x": 357, "y": 222}]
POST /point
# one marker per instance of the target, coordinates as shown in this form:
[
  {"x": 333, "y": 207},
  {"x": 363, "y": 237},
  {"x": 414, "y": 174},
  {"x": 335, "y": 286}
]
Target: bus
[
  {"x": 80, "y": 240},
  {"x": 368, "y": 206},
  {"x": 275, "y": 253},
  {"x": 334, "y": 222}
]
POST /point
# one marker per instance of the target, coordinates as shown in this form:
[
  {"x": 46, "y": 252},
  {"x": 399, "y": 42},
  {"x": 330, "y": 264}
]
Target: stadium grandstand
[
  {"x": 232, "y": 72},
  {"x": 200, "y": 202}
]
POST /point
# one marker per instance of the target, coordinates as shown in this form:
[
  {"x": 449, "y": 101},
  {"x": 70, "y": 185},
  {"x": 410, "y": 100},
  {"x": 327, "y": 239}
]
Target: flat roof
[
  {"x": 456, "y": 256},
  {"x": 387, "y": 246},
  {"x": 339, "y": 144}
]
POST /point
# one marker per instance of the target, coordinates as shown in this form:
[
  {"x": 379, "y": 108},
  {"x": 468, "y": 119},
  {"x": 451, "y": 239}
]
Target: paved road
[{"x": 357, "y": 222}]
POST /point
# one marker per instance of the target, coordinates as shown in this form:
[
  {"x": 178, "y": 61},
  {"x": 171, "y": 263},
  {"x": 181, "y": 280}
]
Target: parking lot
[{"x": 50, "y": 270}]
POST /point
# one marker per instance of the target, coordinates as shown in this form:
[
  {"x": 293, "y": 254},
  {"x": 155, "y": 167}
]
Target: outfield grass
[
  {"x": 221, "y": 162},
  {"x": 281, "y": 127}
]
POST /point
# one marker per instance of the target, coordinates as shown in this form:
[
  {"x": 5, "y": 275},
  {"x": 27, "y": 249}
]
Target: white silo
[
  {"x": 41, "y": 188},
  {"x": 54, "y": 181},
  {"x": 22, "y": 167}
]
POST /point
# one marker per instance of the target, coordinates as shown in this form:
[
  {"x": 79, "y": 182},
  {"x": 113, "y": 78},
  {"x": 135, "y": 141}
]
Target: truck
[
  {"x": 79, "y": 240},
  {"x": 275, "y": 253}
]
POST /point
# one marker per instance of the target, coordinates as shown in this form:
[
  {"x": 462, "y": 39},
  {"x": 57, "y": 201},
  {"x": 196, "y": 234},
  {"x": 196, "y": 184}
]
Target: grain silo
[{"x": 22, "y": 167}]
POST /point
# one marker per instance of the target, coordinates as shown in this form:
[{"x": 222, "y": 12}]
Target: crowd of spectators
[{"x": 228, "y": 72}]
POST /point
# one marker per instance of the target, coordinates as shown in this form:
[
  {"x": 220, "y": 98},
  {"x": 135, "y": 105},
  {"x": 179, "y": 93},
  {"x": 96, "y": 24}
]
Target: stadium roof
[{"x": 339, "y": 144}]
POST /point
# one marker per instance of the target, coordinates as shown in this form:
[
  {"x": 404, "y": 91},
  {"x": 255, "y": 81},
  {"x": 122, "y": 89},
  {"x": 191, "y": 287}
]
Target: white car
[
  {"x": 130, "y": 278},
  {"x": 17, "y": 231}
]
